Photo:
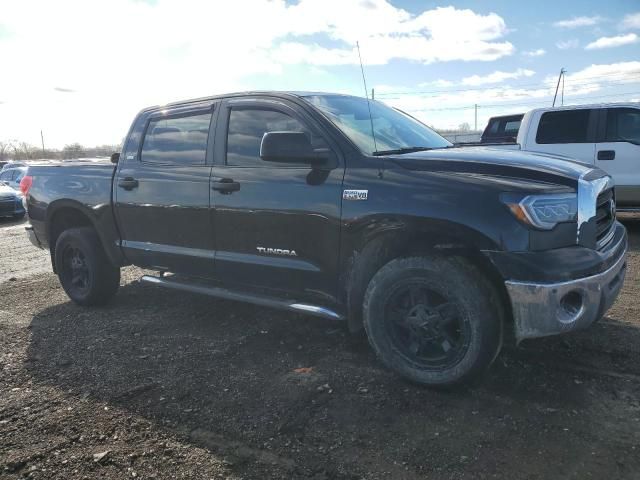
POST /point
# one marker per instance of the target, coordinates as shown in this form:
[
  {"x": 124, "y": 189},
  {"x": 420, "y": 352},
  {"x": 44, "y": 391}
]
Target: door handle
[
  {"x": 128, "y": 183},
  {"x": 225, "y": 185},
  {"x": 606, "y": 154}
]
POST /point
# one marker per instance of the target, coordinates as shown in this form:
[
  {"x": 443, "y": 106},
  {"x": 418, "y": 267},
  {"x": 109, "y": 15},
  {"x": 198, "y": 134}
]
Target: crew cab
[
  {"x": 604, "y": 135},
  {"x": 349, "y": 210},
  {"x": 502, "y": 129}
]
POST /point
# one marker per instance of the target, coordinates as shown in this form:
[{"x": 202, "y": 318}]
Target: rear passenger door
[
  {"x": 570, "y": 133},
  {"x": 161, "y": 193},
  {"x": 618, "y": 152},
  {"x": 278, "y": 228}
]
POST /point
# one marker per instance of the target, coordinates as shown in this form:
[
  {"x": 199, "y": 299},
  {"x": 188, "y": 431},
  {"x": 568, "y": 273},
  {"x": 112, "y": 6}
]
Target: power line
[
  {"x": 621, "y": 80},
  {"x": 537, "y": 102}
]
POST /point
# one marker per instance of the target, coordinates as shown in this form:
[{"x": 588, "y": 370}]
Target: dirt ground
[{"x": 162, "y": 384}]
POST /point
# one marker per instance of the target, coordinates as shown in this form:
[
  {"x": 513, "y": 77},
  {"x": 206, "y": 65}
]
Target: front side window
[
  {"x": 178, "y": 141},
  {"x": 392, "y": 129},
  {"x": 623, "y": 125},
  {"x": 247, "y": 126},
  {"x": 567, "y": 126}
]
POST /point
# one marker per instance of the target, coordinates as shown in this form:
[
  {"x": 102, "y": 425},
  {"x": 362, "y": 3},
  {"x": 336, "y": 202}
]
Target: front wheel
[
  {"x": 85, "y": 272},
  {"x": 433, "y": 320}
]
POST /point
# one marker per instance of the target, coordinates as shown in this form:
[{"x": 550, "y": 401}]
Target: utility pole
[
  {"x": 373, "y": 94},
  {"x": 42, "y": 138},
  {"x": 475, "y": 107},
  {"x": 561, "y": 76}
]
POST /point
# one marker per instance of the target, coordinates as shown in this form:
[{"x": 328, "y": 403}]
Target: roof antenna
[{"x": 366, "y": 94}]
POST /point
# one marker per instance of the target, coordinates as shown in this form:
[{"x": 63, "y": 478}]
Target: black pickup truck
[{"x": 349, "y": 210}]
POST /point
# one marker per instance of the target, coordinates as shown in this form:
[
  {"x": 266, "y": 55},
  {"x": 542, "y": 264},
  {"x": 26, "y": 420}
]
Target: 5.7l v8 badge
[{"x": 355, "y": 194}]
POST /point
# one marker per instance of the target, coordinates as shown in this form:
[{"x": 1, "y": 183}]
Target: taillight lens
[{"x": 25, "y": 184}]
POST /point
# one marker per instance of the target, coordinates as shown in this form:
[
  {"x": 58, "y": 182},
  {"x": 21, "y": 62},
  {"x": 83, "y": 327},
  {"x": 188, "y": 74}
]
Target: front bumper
[{"x": 542, "y": 309}]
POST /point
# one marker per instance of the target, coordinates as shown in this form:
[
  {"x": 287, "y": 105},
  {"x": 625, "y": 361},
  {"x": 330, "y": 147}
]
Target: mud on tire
[{"x": 433, "y": 320}]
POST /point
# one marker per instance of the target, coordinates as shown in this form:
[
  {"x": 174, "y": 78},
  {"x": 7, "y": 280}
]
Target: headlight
[{"x": 543, "y": 211}]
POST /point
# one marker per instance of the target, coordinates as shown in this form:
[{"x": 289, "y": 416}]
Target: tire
[
  {"x": 19, "y": 216},
  {"x": 85, "y": 272},
  {"x": 433, "y": 320}
]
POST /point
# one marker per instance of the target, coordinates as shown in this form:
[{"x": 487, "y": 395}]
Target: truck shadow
[{"x": 224, "y": 373}]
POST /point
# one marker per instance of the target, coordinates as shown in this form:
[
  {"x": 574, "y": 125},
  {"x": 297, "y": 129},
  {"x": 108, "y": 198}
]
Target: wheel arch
[
  {"x": 387, "y": 239},
  {"x": 65, "y": 214}
]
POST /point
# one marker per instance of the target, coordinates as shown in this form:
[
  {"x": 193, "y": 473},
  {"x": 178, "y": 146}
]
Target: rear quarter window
[{"x": 568, "y": 126}]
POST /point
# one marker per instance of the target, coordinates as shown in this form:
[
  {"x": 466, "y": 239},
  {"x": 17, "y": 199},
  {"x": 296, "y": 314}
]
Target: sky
[{"x": 80, "y": 70}]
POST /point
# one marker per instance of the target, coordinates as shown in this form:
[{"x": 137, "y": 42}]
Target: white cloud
[
  {"x": 535, "y": 53},
  {"x": 390, "y": 33},
  {"x": 142, "y": 53},
  {"x": 596, "y": 76},
  {"x": 440, "y": 83},
  {"x": 576, "y": 22},
  {"x": 567, "y": 44},
  {"x": 449, "y": 109},
  {"x": 609, "y": 42},
  {"x": 497, "y": 77},
  {"x": 631, "y": 21}
]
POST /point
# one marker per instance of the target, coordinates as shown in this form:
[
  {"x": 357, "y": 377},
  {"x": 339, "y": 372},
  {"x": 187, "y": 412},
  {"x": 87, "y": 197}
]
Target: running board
[
  {"x": 255, "y": 299},
  {"x": 627, "y": 210}
]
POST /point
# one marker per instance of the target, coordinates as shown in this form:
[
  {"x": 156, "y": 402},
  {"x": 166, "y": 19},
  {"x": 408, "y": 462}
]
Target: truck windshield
[{"x": 395, "y": 132}]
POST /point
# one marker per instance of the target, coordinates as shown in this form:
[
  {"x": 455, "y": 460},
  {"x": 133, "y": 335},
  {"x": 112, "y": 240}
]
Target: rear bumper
[
  {"x": 32, "y": 236},
  {"x": 542, "y": 309}
]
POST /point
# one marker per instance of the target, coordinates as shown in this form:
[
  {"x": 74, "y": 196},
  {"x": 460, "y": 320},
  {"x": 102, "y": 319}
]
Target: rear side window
[
  {"x": 178, "y": 140},
  {"x": 512, "y": 127},
  {"x": 568, "y": 126},
  {"x": 623, "y": 125},
  {"x": 246, "y": 129}
]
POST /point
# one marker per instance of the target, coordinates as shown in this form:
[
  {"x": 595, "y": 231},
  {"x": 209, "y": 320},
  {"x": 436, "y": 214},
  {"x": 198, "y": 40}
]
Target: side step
[{"x": 255, "y": 299}]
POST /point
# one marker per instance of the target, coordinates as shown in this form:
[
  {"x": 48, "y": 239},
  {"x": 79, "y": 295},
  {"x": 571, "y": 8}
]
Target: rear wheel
[
  {"x": 433, "y": 320},
  {"x": 85, "y": 272}
]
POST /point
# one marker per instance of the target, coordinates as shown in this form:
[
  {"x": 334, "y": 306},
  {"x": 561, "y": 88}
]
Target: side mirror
[
  {"x": 290, "y": 147},
  {"x": 115, "y": 157}
]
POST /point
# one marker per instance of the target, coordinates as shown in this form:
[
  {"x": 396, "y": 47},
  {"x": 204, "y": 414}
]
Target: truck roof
[
  {"x": 590, "y": 105},
  {"x": 275, "y": 93}
]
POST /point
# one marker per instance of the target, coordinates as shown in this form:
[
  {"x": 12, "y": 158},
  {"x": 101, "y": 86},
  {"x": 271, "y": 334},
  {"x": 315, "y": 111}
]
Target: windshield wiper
[{"x": 401, "y": 150}]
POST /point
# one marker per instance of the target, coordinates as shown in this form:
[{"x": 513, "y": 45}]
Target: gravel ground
[{"x": 168, "y": 385}]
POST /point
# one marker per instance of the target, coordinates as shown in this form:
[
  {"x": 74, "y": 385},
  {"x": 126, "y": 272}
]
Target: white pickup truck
[{"x": 604, "y": 135}]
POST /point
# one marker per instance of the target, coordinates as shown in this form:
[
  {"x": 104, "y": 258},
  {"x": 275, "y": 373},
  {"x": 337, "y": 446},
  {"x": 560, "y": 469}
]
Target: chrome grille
[{"x": 605, "y": 217}]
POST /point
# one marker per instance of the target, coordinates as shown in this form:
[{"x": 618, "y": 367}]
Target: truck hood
[{"x": 498, "y": 162}]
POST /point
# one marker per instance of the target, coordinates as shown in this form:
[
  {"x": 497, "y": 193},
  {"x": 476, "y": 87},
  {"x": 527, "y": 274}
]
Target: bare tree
[
  {"x": 4, "y": 150},
  {"x": 73, "y": 150}
]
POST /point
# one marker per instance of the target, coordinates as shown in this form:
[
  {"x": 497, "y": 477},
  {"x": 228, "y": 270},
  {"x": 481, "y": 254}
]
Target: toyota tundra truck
[{"x": 345, "y": 209}]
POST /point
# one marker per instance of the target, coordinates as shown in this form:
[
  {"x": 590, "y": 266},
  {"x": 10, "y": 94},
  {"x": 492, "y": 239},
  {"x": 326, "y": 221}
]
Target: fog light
[{"x": 571, "y": 305}]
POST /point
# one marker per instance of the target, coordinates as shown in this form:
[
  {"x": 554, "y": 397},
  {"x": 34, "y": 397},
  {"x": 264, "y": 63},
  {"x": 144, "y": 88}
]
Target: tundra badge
[
  {"x": 277, "y": 251},
  {"x": 355, "y": 194}
]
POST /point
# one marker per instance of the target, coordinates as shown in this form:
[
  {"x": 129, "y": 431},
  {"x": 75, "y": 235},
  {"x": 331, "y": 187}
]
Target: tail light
[{"x": 25, "y": 184}]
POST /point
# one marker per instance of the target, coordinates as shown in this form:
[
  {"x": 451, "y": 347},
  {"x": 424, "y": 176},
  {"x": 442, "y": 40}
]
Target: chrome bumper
[{"x": 546, "y": 309}]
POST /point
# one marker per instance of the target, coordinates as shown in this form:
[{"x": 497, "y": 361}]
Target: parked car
[
  {"x": 604, "y": 135},
  {"x": 12, "y": 164},
  {"x": 13, "y": 176},
  {"x": 10, "y": 202},
  {"x": 347, "y": 210},
  {"x": 502, "y": 129}
]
